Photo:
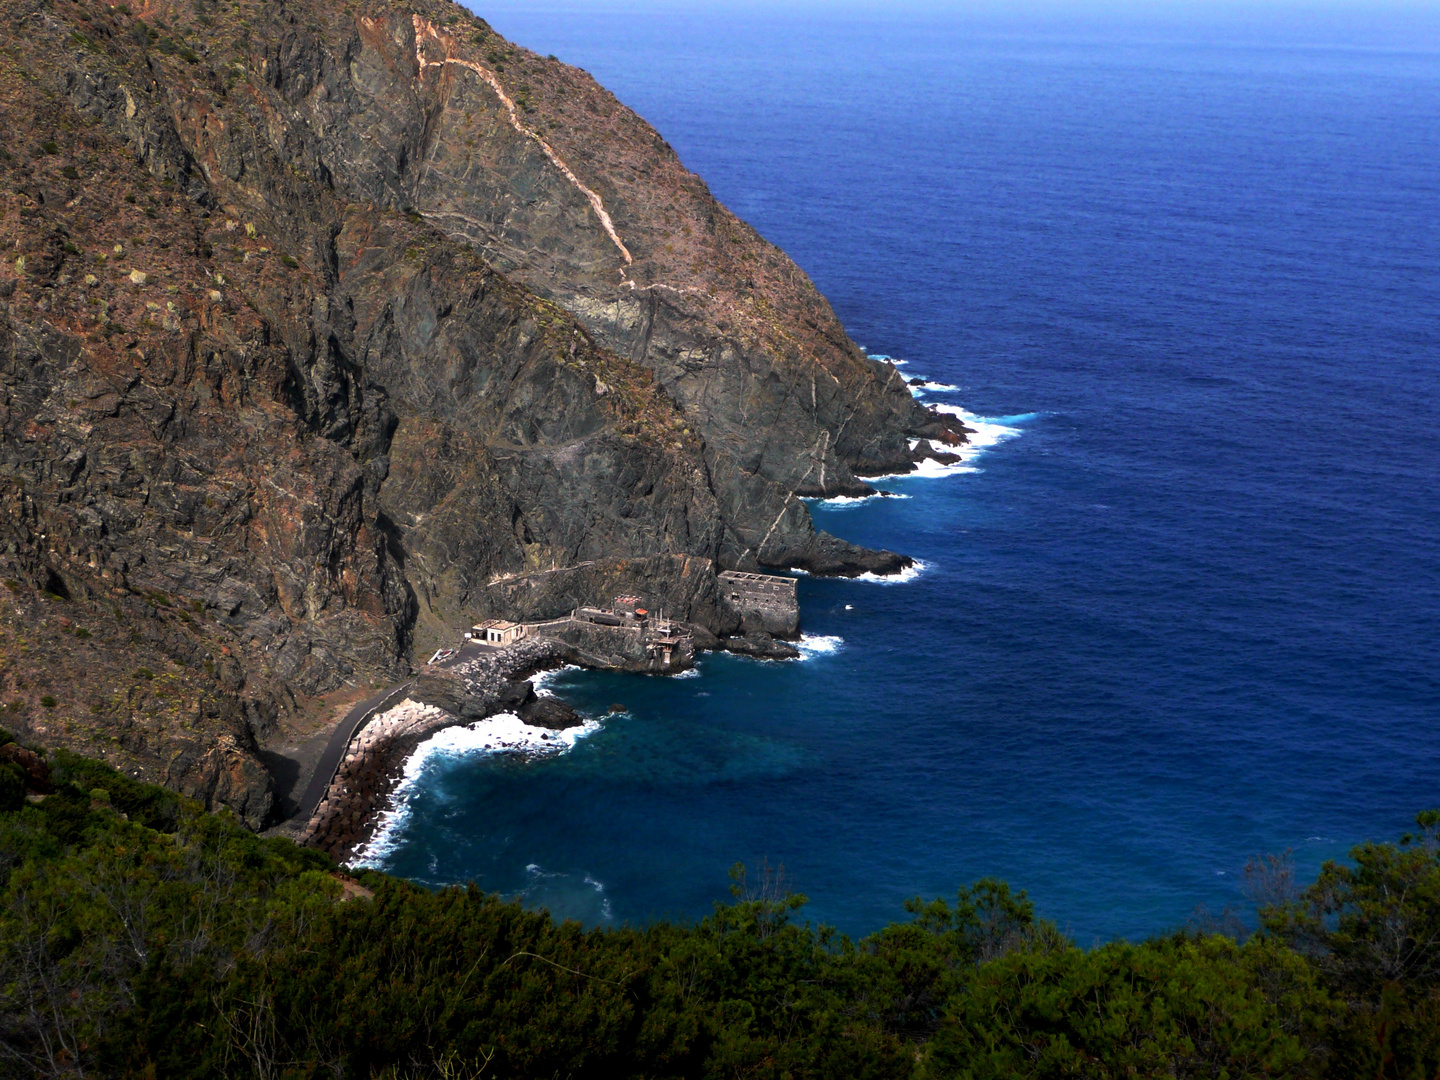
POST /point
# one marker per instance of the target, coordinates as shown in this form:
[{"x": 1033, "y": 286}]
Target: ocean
[{"x": 1182, "y": 605}]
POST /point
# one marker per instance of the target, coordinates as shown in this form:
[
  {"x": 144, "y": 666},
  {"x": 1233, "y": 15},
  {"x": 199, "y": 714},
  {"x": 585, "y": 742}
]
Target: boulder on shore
[
  {"x": 762, "y": 647},
  {"x": 549, "y": 712}
]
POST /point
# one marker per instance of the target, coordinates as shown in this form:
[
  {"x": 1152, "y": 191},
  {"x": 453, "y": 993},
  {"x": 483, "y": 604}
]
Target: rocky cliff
[{"x": 330, "y": 326}]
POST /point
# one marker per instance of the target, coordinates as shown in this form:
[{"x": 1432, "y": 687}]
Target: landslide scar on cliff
[{"x": 426, "y": 29}]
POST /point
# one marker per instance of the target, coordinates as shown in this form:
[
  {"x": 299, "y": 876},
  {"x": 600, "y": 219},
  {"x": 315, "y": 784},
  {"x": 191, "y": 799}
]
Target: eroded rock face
[
  {"x": 682, "y": 587},
  {"x": 569, "y": 192},
  {"x": 328, "y": 326},
  {"x": 222, "y": 773},
  {"x": 465, "y": 696}
]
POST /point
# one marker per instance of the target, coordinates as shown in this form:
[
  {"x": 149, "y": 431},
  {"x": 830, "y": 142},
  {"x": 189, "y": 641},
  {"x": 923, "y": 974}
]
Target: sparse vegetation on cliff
[
  {"x": 141, "y": 936},
  {"x": 306, "y": 336}
]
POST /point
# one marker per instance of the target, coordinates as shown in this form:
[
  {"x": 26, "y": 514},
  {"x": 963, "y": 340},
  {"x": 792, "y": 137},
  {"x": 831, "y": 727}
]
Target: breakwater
[{"x": 374, "y": 756}]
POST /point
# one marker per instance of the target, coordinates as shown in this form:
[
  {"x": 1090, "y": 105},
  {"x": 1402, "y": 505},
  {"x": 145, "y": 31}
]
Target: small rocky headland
[{"x": 488, "y": 673}]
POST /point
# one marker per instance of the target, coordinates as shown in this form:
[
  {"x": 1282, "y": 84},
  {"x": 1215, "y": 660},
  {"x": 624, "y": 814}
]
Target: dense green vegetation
[{"x": 142, "y": 937}]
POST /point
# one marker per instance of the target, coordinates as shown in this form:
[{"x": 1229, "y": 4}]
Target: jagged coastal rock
[{"x": 330, "y": 328}]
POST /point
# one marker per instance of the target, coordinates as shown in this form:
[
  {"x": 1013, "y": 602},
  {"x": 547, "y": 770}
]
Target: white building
[{"x": 498, "y": 632}]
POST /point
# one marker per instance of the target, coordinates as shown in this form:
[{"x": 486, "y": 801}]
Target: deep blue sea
[{"x": 1187, "y": 612}]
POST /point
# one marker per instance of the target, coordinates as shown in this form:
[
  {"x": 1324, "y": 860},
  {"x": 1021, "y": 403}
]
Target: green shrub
[
  {"x": 12, "y": 787},
  {"x": 161, "y": 940},
  {"x": 145, "y": 804}
]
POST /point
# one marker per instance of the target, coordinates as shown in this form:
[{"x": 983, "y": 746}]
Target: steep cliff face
[
  {"x": 328, "y": 327},
  {"x": 587, "y": 205}
]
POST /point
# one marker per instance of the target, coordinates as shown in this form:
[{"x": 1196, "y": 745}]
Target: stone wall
[{"x": 766, "y": 602}]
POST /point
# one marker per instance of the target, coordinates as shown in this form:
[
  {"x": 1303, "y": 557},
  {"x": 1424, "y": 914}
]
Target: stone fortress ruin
[{"x": 766, "y": 602}]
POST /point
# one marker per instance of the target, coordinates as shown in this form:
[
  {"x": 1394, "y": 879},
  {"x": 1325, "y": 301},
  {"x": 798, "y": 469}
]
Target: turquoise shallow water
[{"x": 1185, "y": 613}]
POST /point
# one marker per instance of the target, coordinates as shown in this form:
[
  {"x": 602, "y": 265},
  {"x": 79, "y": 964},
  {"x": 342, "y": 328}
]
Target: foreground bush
[{"x": 141, "y": 937}]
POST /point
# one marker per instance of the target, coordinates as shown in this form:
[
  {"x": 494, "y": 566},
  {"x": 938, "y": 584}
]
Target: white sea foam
[
  {"x": 921, "y": 389},
  {"x": 541, "y": 680},
  {"x": 971, "y": 419},
  {"x": 688, "y": 673},
  {"x": 504, "y": 733},
  {"x": 845, "y": 502},
  {"x": 985, "y": 433},
  {"x": 813, "y": 645},
  {"x": 910, "y": 573},
  {"x": 929, "y": 469}
]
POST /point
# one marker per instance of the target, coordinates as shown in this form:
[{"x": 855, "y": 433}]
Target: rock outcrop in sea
[{"x": 329, "y": 328}]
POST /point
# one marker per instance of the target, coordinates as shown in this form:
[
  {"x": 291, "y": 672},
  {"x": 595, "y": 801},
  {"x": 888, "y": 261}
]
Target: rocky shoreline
[
  {"x": 374, "y": 759},
  {"x": 373, "y": 763}
]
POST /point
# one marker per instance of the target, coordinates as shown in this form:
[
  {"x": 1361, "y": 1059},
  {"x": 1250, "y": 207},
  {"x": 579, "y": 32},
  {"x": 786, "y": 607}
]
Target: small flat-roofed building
[{"x": 498, "y": 632}]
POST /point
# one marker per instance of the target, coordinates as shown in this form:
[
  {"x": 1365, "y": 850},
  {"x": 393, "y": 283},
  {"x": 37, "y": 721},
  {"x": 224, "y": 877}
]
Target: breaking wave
[
  {"x": 845, "y": 502},
  {"x": 504, "y": 733},
  {"x": 813, "y": 645},
  {"x": 920, "y": 389},
  {"x": 985, "y": 432},
  {"x": 541, "y": 680},
  {"x": 910, "y": 573}
]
